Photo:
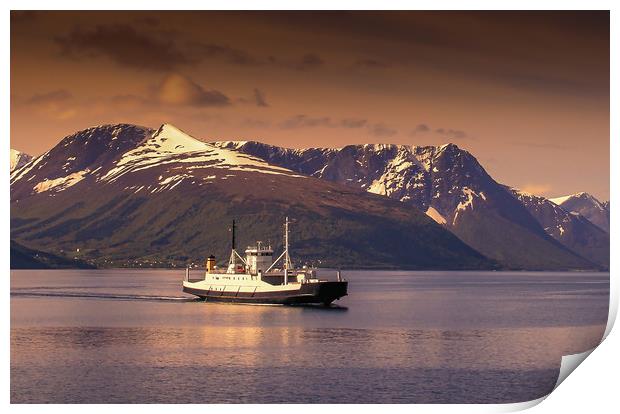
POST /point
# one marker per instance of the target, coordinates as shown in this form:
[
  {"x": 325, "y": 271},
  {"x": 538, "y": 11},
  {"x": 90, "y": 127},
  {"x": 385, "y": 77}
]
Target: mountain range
[
  {"x": 130, "y": 195},
  {"x": 587, "y": 206},
  {"x": 449, "y": 184},
  {"x": 124, "y": 195}
]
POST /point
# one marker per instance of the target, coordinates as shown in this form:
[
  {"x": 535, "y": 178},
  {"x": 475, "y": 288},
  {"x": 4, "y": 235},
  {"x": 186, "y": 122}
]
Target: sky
[{"x": 527, "y": 93}]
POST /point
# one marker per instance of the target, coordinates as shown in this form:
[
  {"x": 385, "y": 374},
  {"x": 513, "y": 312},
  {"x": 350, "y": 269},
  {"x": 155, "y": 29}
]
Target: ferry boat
[{"x": 259, "y": 279}]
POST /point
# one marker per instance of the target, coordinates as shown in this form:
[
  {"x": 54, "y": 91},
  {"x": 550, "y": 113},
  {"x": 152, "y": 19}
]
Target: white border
[{"x": 592, "y": 388}]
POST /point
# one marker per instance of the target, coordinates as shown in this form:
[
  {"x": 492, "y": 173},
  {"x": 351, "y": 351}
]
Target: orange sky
[{"x": 526, "y": 92}]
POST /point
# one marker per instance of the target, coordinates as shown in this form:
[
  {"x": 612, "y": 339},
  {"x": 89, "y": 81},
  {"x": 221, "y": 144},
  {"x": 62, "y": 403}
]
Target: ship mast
[
  {"x": 232, "y": 262},
  {"x": 285, "y": 257}
]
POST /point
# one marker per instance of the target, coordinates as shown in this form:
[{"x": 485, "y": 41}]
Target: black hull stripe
[{"x": 325, "y": 293}]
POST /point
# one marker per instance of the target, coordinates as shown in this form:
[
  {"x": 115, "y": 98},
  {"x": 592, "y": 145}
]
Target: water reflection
[{"x": 388, "y": 342}]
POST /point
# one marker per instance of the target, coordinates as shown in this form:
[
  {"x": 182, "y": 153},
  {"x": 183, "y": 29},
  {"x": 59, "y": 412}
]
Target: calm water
[{"x": 131, "y": 336}]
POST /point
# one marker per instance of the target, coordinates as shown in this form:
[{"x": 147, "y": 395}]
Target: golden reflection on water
[{"x": 252, "y": 346}]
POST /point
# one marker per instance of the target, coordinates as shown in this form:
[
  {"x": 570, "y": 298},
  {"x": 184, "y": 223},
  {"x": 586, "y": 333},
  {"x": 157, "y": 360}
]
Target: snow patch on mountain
[
  {"x": 170, "y": 145},
  {"x": 469, "y": 198},
  {"x": 434, "y": 214},
  {"x": 560, "y": 200},
  {"x": 467, "y": 201},
  {"x": 60, "y": 183}
]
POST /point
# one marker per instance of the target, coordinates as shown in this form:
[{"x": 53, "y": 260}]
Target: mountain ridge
[
  {"x": 568, "y": 227},
  {"x": 159, "y": 197},
  {"x": 446, "y": 182}
]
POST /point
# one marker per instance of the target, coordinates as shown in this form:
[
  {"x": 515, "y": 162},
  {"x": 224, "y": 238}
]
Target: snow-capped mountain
[
  {"x": 81, "y": 156},
  {"x": 18, "y": 159},
  {"x": 126, "y": 194},
  {"x": 569, "y": 228},
  {"x": 588, "y": 206},
  {"x": 446, "y": 182},
  {"x": 97, "y": 159}
]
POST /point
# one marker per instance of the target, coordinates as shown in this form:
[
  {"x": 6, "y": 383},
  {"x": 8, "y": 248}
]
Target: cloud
[
  {"x": 59, "y": 95},
  {"x": 23, "y": 16},
  {"x": 147, "y": 20},
  {"x": 371, "y": 64},
  {"x": 125, "y": 46},
  {"x": 353, "y": 123},
  {"x": 150, "y": 48},
  {"x": 223, "y": 52},
  {"x": 451, "y": 133},
  {"x": 211, "y": 51},
  {"x": 420, "y": 129},
  {"x": 176, "y": 89},
  {"x": 304, "y": 121},
  {"x": 129, "y": 102},
  {"x": 255, "y": 123},
  {"x": 259, "y": 98},
  {"x": 448, "y": 133},
  {"x": 434, "y": 40},
  {"x": 382, "y": 130},
  {"x": 309, "y": 61},
  {"x": 57, "y": 104}
]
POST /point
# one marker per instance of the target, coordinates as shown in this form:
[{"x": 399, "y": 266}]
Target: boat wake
[{"x": 112, "y": 296}]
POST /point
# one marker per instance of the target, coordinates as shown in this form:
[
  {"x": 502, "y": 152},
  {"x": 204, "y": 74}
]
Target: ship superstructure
[{"x": 257, "y": 278}]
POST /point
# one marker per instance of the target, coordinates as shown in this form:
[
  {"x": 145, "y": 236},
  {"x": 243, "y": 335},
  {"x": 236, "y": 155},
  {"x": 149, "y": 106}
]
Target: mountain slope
[
  {"x": 445, "y": 182},
  {"x": 569, "y": 228},
  {"x": 18, "y": 159},
  {"x": 127, "y": 195},
  {"x": 588, "y": 206}
]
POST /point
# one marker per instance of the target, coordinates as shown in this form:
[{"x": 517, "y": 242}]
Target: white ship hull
[{"x": 242, "y": 288}]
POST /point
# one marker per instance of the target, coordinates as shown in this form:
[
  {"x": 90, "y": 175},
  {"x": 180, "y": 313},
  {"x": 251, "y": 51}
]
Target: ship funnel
[{"x": 210, "y": 264}]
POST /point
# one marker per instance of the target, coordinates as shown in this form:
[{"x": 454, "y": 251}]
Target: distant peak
[
  {"x": 580, "y": 195},
  {"x": 18, "y": 159},
  {"x": 449, "y": 146}
]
